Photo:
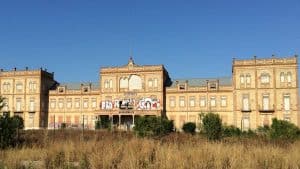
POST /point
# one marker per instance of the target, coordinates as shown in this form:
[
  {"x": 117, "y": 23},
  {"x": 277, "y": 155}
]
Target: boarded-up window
[
  {"x": 68, "y": 119},
  {"x": 60, "y": 119},
  {"x": 76, "y": 119}
]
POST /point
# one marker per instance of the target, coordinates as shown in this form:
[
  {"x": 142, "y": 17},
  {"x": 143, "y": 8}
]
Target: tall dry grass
[{"x": 67, "y": 149}]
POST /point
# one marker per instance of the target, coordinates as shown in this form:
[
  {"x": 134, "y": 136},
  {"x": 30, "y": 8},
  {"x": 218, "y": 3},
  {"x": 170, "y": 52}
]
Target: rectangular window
[
  {"x": 242, "y": 79},
  {"x": 213, "y": 86},
  {"x": 286, "y": 102},
  {"x": 68, "y": 119},
  {"x": 85, "y": 103},
  {"x": 182, "y": 87},
  {"x": 61, "y": 103},
  {"x": 265, "y": 78},
  {"x": 245, "y": 124},
  {"x": 76, "y": 119},
  {"x": 246, "y": 102},
  {"x": 181, "y": 101},
  {"x": 192, "y": 101},
  {"x": 77, "y": 103},
  {"x": 31, "y": 119},
  {"x": 32, "y": 105},
  {"x": 202, "y": 101},
  {"x": 266, "y": 102},
  {"x": 18, "y": 104},
  {"x": 223, "y": 101},
  {"x": 172, "y": 101},
  {"x": 6, "y": 87},
  {"x": 19, "y": 87},
  {"x": 69, "y": 103},
  {"x": 6, "y": 103},
  {"x": 94, "y": 102},
  {"x": 52, "y": 103},
  {"x": 213, "y": 101},
  {"x": 32, "y": 86},
  {"x": 150, "y": 83},
  {"x": 289, "y": 77},
  {"x": 155, "y": 83},
  {"x": 248, "y": 79}
]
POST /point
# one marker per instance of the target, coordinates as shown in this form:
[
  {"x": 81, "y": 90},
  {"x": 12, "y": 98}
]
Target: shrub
[
  {"x": 281, "y": 129},
  {"x": 263, "y": 130},
  {"x": 98, "y": 124},
  {"x": 9, "y": 130},
  {"x": 153, "y": 126},
  {"x": 189, "y": 128},
  {"x": 103, "y": 122},
  {"x": 229, "y": 131},
  {"x": 63, "y": 125},
  {"x": 212, "y": 126}
]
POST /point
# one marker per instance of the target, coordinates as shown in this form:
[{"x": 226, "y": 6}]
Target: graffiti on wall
[{"x": 145, "y": 103}]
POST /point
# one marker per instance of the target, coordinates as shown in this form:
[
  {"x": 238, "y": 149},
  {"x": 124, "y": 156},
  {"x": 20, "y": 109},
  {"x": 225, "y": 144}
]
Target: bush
[
  {"x": 230, "y": 131},
  {"x": 63, "y": 125},
  {"x": 263, "y": 130},
  {"x": 284, "y": 130},
  {"x": 98, "y": 124},
  {"x": 9, "y": 130},
  {"x": 189, "y": 128},
  {"x": 212, "y": 126},
  {"x": 153, "y": 126}
]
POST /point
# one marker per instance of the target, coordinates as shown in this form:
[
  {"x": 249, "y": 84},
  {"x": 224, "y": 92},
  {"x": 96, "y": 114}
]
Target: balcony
[
  {"x": 267, "y": 110},
  {"x": 117, "y": 111},
  {"x": 246, "y": 110}
]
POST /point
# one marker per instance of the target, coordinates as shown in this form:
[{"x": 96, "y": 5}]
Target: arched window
[
  {"x": 265, "y": 78},
  {"x": 135, "y": 82},
  {"x": 110, "y": 83},
  {"x": 124, "y": 83},
  {"x": 282, "y": 77},
  {"x": 289, "y": 77},
  {"x": 150, "y": 83},
  {"x": 242, "y": 79},
  {"x": 106, "y": 84}
]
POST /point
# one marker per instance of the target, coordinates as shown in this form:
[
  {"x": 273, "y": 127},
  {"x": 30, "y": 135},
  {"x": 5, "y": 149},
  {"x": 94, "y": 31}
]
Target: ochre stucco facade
[{"x": 259, "y": 90}]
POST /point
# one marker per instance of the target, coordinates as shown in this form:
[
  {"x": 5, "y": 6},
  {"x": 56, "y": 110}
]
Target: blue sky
[{"x": 192, "y": 38}]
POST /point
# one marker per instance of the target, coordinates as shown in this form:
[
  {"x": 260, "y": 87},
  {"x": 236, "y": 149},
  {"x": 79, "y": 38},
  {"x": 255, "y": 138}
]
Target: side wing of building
[{"x": 26, "y": 94}]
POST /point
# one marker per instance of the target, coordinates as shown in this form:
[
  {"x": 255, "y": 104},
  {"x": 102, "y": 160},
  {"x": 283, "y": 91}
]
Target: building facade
[
  {"x": 259, "y": 90},
  {"x": 26, "y": 94}
]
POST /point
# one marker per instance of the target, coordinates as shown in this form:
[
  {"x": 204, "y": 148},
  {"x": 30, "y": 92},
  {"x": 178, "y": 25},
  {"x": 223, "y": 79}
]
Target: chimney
[{"x": 15, "y": 68}]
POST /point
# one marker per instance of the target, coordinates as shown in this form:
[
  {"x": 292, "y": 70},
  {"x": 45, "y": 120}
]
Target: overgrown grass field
[{"x": 104, "y": 149}]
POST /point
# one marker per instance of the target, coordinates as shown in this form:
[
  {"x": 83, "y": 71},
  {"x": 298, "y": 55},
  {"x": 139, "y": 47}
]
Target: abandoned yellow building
[
  {"x": 259, "y": 90},
  {"x": 26, "y": 94}
]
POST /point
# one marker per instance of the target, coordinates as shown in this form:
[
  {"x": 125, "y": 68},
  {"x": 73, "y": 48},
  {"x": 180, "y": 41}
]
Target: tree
[
  {"x": 153, "y": 126},
  {"x": 9, "y": 130},
  {"x": 281, "y": 129},
  {"x": 189, "y": 128},
  {"x": 2, "y": 104},
  {"x": 212, "y": 126}
]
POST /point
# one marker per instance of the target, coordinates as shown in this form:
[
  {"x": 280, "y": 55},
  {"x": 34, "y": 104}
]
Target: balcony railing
[
  {"x": 270, "y": 109},
  {"x": 129, "y": 111},
  {"x": 246, "y": 110}
]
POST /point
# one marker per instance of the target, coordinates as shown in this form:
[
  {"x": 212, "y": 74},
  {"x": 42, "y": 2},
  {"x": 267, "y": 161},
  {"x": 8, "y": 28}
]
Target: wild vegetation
[{"x": 104, "y": 149}]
